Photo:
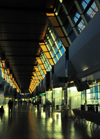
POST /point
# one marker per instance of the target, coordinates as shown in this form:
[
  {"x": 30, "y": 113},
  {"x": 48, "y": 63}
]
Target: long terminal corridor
[{"x": 50, "y": 56}]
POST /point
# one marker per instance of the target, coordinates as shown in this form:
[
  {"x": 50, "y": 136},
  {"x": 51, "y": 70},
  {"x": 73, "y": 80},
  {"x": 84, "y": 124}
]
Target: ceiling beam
[
  {"x": 23, "y": 40},
  {"x": 23, "y": 56},
  {"x": 27, "y": 9},
  {"x": 22, "y": 65},
  {"x": 21, "y": 47},
  {"x": 21, "y": 23}
]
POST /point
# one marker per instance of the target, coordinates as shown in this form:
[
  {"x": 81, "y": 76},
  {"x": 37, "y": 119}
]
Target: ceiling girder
[{"x": 42, "y": 10}]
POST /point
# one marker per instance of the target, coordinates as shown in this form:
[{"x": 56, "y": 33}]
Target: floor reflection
[{"x": 28, "y": 122}]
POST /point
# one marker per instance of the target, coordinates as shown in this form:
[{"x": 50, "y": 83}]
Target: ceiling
[{"x": 23, "y": 24}]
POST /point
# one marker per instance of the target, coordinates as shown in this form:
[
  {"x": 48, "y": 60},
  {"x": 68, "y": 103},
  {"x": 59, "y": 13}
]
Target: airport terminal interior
[{"x": 50, "y": 69}]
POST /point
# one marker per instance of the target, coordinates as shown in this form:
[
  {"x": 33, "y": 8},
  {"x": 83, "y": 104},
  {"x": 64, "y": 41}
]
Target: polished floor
[{"x": 26, "y": 122}]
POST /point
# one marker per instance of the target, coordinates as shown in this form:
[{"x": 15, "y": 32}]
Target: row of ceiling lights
[
  {"x": 6, "y": 73},
  {"x": 35, "y": 79}
]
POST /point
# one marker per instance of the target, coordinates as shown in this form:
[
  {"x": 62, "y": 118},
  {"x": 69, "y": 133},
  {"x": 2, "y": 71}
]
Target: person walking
[{"x": 10, "y": 105}]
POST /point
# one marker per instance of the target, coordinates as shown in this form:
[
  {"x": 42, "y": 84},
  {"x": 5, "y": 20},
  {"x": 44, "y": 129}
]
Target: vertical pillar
[
  {"x": 85, "y": 100},
  {"x": 65, "y": 94},
  {"x": 45, "y": 91},
  {"x": 52, "y": 73}
]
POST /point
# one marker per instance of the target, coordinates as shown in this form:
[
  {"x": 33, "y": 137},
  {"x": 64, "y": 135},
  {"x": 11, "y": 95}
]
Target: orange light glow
[
  {"x": 44, "y": 71},
  {"x": 3, "y": 70},
  {"x": 8, "y": 72},
  {"x": 51, "y": 61},
  {"x": 41, "y": 43},
  {"x": 42, "y": 66},
  {"x": 34, "y": 74},
  {"x": 4, "y": 76},
  {"x": 36, "y": 84},
  {"x": 7, "y": 76},
  {"x": 13, "y": 80},
  {"x": 36, "y": 77},
  {"x": 32, "y": 81},
  {"x": 44, "y": 48},
  {"x": 11, "y": 76},
  {"x": 39, "y": 73},
  {"x": 8, "y": 81},
  {"x": 36, "y": 68},
  {"x": 39, "y": 60},
  {"x": 41, "y": 77},
  {"x": 51, "y": 6},
  {"x": 47, "y": 54},
  {"x": 50, "y": 14},
  {"x": 33, "y": 78},
  {"x": 3, "y": 63}
]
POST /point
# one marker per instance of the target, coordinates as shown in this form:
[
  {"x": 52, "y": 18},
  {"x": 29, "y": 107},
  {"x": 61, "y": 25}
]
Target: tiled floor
[{"x": 26, "y": 122}]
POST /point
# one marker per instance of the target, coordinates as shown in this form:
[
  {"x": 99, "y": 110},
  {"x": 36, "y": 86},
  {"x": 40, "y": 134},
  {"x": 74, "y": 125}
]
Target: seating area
[{"x": 88, "y": 115}]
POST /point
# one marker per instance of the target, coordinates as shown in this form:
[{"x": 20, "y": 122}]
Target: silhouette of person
[
  {"x": 10, "y": 105},
  {"x": 1, "y": 109}
]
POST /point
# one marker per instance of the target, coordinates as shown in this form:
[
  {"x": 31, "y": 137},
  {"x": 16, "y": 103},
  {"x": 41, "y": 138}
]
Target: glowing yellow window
[
  {"x": 44, "y": 71},
  {"x": 44, "y": 48},
  {"x": 47, "y": 54},
  {"x": 42, "y": 66},
  {"x": 51, "y": 61},
  {"x": 39, "y": 60},
  {"x": 41, "y": 77},
  {"x": 36, "y": 68},
  {"x": 3, "y": 63}
]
